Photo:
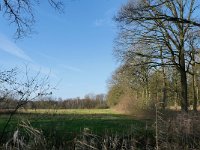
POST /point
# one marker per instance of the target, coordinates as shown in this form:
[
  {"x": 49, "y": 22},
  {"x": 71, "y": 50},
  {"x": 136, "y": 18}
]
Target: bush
[{"x": 178, "y": 132}]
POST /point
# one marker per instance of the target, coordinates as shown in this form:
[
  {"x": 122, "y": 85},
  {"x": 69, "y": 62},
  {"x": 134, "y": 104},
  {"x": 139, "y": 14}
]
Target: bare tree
[
  {"x": 21, "y": 13},
  {"x": 21, "y": 89},
  {"x": 160, "y": 24}
]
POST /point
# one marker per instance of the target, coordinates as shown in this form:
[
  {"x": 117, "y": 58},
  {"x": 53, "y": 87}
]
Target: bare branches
[
  {"x": 148, "y": 26},
  {"x": 157, "y": 24},
  {"x": 57, "y": 5},
  {"x": 139, "y": 11},
  {"x": 21, "y": 14},
  {"x": 20, "y": 90}
]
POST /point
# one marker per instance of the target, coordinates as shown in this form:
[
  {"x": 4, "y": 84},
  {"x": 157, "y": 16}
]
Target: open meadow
[{"x": 64, "y": 125}]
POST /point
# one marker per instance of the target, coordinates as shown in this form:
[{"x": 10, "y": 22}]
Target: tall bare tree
[{"x": 156, "y": 24}]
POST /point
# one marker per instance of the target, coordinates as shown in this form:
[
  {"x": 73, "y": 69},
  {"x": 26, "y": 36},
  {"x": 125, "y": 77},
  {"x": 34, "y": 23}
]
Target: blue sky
[{"x": 75, "y": 47}]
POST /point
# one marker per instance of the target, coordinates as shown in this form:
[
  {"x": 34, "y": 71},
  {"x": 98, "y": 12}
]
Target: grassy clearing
[
  {"x": 61, "y": 127},
  {"x": 64, "y": 125},
  {"x": 105, "y": 127},
  {"x": 75, "y": 120}
]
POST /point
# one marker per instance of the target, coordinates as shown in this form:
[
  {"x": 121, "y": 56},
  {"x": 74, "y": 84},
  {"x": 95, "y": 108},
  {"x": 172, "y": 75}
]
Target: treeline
[
  {"x": 142, "y": 87},
  {"x": 159, "y": 52},
  {"x": 88, "y": 102},
  {"x": 75, "y": 103}
]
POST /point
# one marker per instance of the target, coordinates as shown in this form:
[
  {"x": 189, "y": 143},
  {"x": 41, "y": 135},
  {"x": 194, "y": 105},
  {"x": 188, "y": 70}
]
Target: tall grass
[
  {"x": 25, "y": 137},
  {"x": 178, "y": 132}
]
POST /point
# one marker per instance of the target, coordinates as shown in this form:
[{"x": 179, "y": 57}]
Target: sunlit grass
[{"x": 70, "y": 111}]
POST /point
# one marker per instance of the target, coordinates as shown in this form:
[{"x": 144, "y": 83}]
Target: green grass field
[{"x": 67, "y": 124}]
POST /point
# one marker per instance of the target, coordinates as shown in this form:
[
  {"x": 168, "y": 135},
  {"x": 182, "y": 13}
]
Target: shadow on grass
[
  {"x": 69, "y": 125},
  {"x": 64, "y": 128}
]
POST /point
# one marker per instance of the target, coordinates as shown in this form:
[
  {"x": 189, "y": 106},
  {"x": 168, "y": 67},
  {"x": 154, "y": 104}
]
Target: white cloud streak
[{"x": 11, "y": 48}]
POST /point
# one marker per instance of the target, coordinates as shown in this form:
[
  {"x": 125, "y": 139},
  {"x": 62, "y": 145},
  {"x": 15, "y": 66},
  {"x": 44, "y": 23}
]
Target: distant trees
[
  {"x": 91, "y": 101},
  {"x": 9, "y": 104},
  {"x": 157, "y": 34}
]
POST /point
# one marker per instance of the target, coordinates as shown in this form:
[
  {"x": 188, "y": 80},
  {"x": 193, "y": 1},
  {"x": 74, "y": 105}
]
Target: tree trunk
[
  {"x": 164, "y": 99},
  {"x": 194, "y": 82},
  {"x": 148, "y": 94},
  {"x": 194, "y": 93},
  {"x": 176, "y": 91},
  {"x": 164, "y": 90},
  {"x": 184, "y": 95},
  {"x": 182, "y": 69}
]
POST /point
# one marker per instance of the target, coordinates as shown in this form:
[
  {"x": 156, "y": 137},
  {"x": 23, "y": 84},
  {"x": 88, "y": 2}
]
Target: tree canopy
[{"x": 160, "y": 31}]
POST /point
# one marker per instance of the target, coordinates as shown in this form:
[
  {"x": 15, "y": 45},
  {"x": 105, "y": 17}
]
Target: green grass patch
[{"x": 67, "y": 124}]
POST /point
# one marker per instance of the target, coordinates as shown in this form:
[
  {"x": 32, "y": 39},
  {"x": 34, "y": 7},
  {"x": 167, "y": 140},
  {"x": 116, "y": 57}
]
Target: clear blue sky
[{"x": 76, "y": 47}]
